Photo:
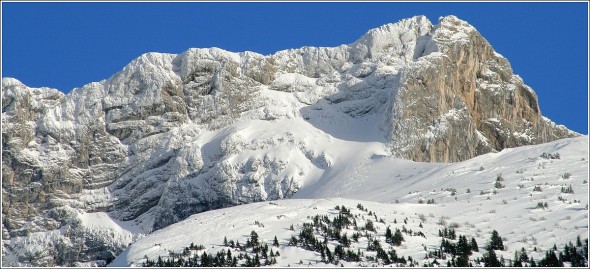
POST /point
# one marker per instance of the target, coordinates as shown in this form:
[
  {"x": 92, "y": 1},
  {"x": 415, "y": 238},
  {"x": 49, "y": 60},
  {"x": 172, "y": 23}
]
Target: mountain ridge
[{"x": 173, "y": 135}]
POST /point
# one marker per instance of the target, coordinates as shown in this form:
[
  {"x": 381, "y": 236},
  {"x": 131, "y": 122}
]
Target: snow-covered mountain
[
  {"x": 87, "y": 173},
  {"x": 464, "y": 193}
]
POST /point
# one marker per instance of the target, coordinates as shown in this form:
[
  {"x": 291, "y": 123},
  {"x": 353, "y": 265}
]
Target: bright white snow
[{"x": 394, "y": 188}]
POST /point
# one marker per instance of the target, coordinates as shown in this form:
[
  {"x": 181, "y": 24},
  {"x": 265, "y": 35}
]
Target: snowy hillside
[
  {"x": 465, "y": 194},
  {"x": 172, "y": 135}
]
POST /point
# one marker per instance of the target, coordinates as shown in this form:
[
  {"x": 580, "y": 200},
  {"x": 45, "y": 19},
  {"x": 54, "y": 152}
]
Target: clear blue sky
[{"x": 66, "y": 45}]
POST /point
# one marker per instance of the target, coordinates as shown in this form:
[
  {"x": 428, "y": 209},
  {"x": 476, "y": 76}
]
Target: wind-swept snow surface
[{"x": 465, "y": 196}]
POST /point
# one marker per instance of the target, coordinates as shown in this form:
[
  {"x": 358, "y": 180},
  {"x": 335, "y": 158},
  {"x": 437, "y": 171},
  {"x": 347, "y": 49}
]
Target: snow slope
[
  {"x": 171, "y": 135},
  {"x": 393, "y": 188}
]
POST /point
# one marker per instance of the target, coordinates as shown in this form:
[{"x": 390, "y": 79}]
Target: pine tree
[
  {"x": 344, "y": 240},
  {"x": 229, "y": 257},
  {"x": 381, "y": 254},
  {"x": 339, "y": 251},
  {"x": 398, "y": 238},
  {"x": 550, "y": 260},
  {"x": 275, "y": 242},
  {"x": 256, "y": 260},
  {"x": 195, "y": 259},
  {"x": 369, "y": 225},
  {"x": 293, "y": 241},
  {"x": 206, "y": 261},
  {"x": 523, "y": 256},
  {"x": 248, "y": 261},
  {"x": 462, "y": 261},
  {"x": 388, "y": 235},
  {"x": 496, "y": 242},
  {"x": 474, "y": 246},
  {"x": 265, "y": 251},
  {"x": 561, "y": 258},
  {"x": 254, "y": 238},
  {"x": 517, "y": 262},
  {"x": 490, "y": 259},
  {"x": 463, "y": 248},
  {"x": 402, "y": 260},
  {"x": 329, "y": 255}
]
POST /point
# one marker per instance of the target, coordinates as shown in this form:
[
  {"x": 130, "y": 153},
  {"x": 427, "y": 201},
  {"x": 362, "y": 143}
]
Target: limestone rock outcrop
[
  {"x": 164, "y": 138},
  {"x": 462, "y": 100}
]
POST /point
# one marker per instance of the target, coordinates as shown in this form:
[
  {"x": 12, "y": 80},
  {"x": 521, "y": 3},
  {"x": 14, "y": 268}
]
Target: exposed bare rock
[
  {"x": 173, "y": 135},
  {"x": 463, "y": 101}
]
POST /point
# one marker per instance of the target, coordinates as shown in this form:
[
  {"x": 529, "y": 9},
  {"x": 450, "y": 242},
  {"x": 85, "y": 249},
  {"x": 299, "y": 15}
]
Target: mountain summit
[{"x": 173, "y": 135}]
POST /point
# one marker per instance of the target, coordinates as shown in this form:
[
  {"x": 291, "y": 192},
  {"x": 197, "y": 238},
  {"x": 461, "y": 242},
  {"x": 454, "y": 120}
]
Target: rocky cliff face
[
  {"x": 164, "y": 138},
  {"x": 460, "y": 99}
]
